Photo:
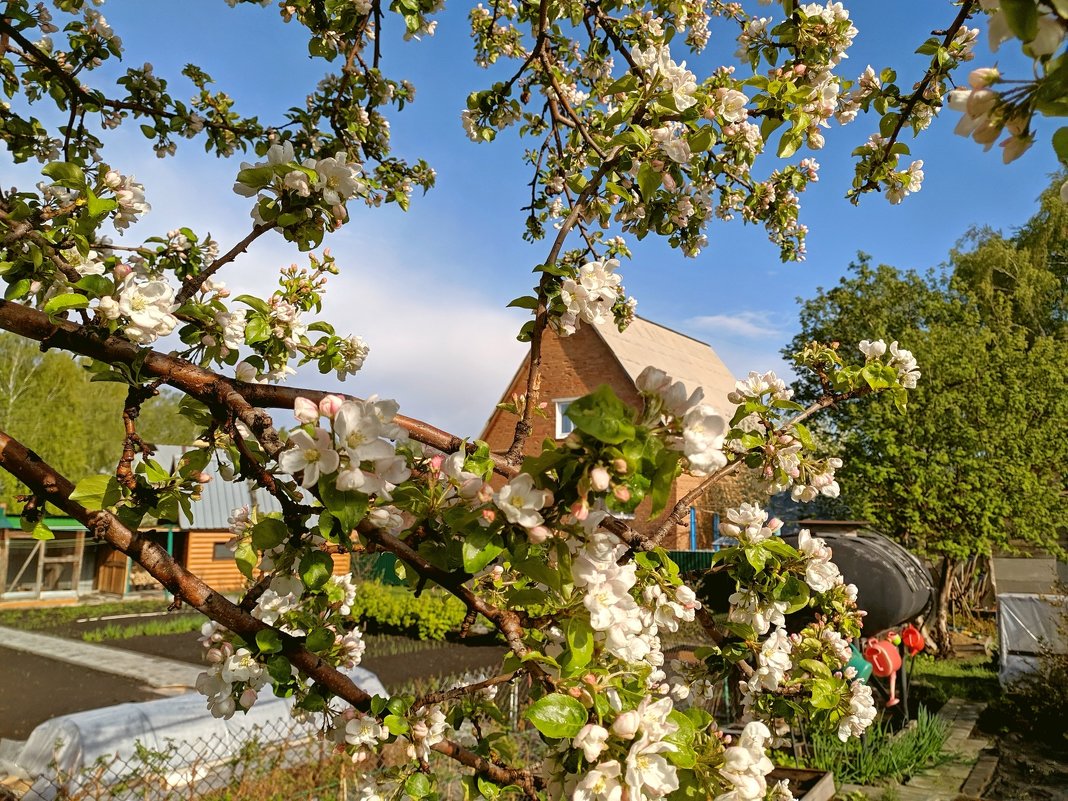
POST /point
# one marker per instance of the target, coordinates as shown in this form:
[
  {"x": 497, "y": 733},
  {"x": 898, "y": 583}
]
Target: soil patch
[
  {"x": 34, "y": 689},
  {"x": 1028, "y": 772},
  {"x": 395, "y": 670}
]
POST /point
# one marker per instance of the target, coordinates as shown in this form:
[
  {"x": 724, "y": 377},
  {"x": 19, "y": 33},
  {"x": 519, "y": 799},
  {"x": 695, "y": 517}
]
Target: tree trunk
[{"x": 940, "y": 629}]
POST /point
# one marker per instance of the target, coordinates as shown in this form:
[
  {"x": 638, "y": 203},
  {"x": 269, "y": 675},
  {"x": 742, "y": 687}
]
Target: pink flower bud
[
  {"x": 622, "y": 493},
  {"x": 214, "y": 655},
  {"x": 599, "y": 479},
  {"x": 497, "y": 572},
  {"x": 580, "y": 509},
  {"x": 306, "y": 411},
  {"x": 227, "y": 649},
  {"x": 329, "y": 405},
  {"x": 120, "y": 271},
  {"x": 620, "y": 465},
  {"x": 538, "y": 534},
  {"x": 248, "y": 698},
  {"x": 489, "y": 515},
  {"x": 204, "y": 478},
  {"x": 436, "y": 462},
  {"x": 626, "y": 725},
  {"x": 575, "y": 692}
]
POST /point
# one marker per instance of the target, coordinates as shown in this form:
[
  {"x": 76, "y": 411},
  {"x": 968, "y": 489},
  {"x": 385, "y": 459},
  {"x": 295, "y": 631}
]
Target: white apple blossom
[
  {"x": 520, "y": 501},
  {"x": 648, "y": 773},
  {"x": 861, "y": 712},
  {"x": 314, "y": 457},
  {"x": 147, "y": 308},
  {"x": 746, "y": 523},
  {"x": 773, "y": 661},
  {"x": 591, "y": 740},
  {"x": 908, "y": 372},
  {"x": 821, "y": 574},
  {"x": 750, "y": 609},
  {"x": 872, "y": 349},
  {"x": 704, "y": 430},
  {"x": 601, "y": 783}
]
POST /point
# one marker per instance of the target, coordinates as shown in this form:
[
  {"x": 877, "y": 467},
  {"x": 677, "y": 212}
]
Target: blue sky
[{"x": 427, "y": 288}]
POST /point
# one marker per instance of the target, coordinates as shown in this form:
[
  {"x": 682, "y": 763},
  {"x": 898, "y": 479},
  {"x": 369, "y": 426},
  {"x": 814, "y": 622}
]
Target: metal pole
[{"x": 693, "y": 528}]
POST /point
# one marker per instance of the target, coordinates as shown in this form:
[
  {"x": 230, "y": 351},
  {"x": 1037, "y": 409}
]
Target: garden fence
[{"x": 276, "y": 760}]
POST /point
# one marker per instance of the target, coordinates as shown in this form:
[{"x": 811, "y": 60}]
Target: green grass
[
  {"x": 938, "y": 680},
  {"x": 55, "y": 616},
  {"x": 154, "y": 627},
  {"x": 882, "y": 754}
]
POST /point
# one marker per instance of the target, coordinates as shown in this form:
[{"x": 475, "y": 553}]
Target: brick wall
[{"x": 572, "y": 367}]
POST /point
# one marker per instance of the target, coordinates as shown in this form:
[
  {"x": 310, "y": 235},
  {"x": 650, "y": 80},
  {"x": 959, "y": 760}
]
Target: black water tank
[{"x": 893, "y": 586}]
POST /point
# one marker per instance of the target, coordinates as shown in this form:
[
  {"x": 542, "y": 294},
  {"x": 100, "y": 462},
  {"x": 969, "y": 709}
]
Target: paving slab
[{"x": 153, "y": 671}]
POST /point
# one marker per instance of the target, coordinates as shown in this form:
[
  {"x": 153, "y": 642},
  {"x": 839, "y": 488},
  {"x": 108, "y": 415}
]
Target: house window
[
  {"x": 221, "y": 552},
  {"x": 564, "y": 426}
]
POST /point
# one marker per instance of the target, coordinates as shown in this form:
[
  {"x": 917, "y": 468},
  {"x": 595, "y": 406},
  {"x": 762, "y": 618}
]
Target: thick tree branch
[{"x": 54, "y": 488}]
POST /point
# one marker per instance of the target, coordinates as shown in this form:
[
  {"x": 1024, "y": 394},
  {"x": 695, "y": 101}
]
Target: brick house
[{"x": 576, "y": 365}]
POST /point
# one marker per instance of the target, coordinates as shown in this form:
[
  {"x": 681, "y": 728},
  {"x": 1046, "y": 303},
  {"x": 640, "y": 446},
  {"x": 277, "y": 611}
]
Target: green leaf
[
  {"x": 96, "y": 285},
  {"x": 97, "y": 207},
  {"x": 269, "y": 533},
  {"x": 257, "y": 330},
  {"x": 479, "y": 549},
  {"x": 825, "y": 693},
  {"x": 789, "y": 144},
  {"x": 348, "y": 506},
  {"x": 579, "y": 644},
  {"x": 316, "y": 568},
  {"x": 525, "y": 302},
  {"x": 649, "y": 180},
  {"x": 246, "y": 558},
  {"x": 42, "y": 532},
  {"x": 268, "y": 641},
  {"x": 1060, "y": 141},
  {"x": 62, "y": 303},
  {"x": 319, "y": 640},
  {"x": 557, "y": 715},
  {"x": 417, "y": 785},
  {"x": 96, "y": 492},
  {"x": 603, "y": 416},
  {"x": 1022, "y": 16},
  {"x": 65, "y": 173}
]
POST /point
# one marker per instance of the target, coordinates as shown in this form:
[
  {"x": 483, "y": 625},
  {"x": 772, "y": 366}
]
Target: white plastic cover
[
  {"x": 1028, "y": 624},
  {"x": 59, "y": 751}
]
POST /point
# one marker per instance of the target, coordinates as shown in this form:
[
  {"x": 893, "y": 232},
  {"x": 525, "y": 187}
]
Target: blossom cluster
[
  {"x": 359, "y": 450},
  {"x": 592, "y": 296},
  {"x": 701, "y": 429}
]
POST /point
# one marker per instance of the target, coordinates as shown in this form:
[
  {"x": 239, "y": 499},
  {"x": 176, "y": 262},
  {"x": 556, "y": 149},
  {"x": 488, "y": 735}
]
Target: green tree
[
  {"x": 976, "y": 464},
  {"x": 87, "y": 437}
]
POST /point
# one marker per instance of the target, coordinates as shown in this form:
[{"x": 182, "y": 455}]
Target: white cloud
[{"x": 746, "y": 324}]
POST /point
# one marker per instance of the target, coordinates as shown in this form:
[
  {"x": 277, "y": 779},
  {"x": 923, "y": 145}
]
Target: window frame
[{"x": 560, "y": 418}]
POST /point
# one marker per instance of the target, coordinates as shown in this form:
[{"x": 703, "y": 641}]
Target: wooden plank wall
[{"x": 222, "y": 574}]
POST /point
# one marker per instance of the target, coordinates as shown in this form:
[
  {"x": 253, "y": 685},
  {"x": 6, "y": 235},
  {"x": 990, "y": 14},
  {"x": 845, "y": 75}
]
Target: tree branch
[{"x": 54, "y": 488}]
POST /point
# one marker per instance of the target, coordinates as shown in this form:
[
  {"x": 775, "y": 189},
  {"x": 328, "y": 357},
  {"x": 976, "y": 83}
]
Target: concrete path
[
  {"x": 153, "y": 671},
  {"x": 968, "y": 773}
]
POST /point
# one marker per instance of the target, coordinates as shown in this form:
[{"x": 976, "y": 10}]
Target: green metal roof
[{"x": 53, "y": 522}]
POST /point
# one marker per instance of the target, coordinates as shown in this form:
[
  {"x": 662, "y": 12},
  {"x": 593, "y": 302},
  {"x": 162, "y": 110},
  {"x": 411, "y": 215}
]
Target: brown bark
[
  {"x": 940, "y": 625},
  {"x": 50, "y": 486}
]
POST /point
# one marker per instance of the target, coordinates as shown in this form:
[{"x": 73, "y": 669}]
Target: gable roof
[
  {"x": 219, "y": 497},
  {"x": 684, "y": 358}
]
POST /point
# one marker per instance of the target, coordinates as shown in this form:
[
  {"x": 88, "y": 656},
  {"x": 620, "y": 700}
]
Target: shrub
[{"x": 429, "y": 616}]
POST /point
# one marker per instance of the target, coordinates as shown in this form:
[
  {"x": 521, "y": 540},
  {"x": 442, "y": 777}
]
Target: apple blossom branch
[
  {"x": 966, "y": 10},
  {"x": 79, "y": 94},
  {"x": 51, "y": 486},
  {"x": 194, "y": 282},
  {"x": 679, "y": 511}
]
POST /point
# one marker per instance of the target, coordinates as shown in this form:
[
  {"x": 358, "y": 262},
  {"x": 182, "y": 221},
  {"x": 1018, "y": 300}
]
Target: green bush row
[{"x": 430, "y": 616}]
